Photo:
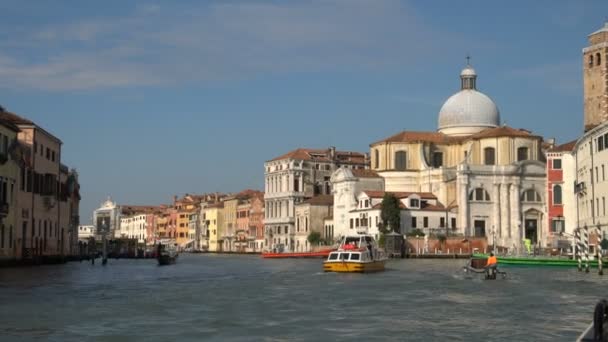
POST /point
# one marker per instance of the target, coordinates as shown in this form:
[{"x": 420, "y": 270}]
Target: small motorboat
[
  {"x": 477, "y": 265},
  {"x": 166, "y": 254},
  {"x": 356, "y": 253}
]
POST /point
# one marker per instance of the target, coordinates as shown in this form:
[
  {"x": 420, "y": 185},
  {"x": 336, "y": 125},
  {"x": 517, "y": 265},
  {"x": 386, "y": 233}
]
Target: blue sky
[{"x": 153, "y": 99}]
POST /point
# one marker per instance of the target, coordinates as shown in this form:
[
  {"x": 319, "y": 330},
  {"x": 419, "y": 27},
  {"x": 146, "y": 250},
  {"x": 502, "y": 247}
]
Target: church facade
[{"x": 493, "y": 176}]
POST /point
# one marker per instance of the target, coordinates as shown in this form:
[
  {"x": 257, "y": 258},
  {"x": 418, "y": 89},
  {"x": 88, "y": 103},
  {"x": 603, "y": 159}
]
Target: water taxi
[{"x": 358, "y": 253}]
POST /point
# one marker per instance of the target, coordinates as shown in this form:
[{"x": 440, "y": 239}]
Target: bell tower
[{"x": 595, "y": 78}]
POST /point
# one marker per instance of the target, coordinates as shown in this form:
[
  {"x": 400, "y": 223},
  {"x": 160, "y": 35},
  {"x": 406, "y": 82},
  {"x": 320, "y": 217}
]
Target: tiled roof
[
  {"x": 412, "y": 136},
  {"x": 380, "y": 194},
  {"x": 322, "y": 155},
  {"x": 567, "y": 147},
  {"x": 365, "y": 173},
  {"x": 320, "y": 200},
  {"x": 139, "y": 209},
  {"x": 440, "y": 138},
  {"x": 502, "y": 131},
  {"x": 10, "y": 125},
  {"x": 14, "y": 118}
]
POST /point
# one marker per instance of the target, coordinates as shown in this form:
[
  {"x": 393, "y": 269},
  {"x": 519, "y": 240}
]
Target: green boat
[{"x": 537, "y": 261}]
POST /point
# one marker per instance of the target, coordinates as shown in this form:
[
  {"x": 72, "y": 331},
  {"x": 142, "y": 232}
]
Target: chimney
[{"x": 332, "y": 152}]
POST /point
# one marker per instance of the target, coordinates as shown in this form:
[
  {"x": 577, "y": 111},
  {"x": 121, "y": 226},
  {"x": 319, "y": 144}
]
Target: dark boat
[
  {"x": 477, "y": 265},
  {"x": 598, "y": 329},
  {"x": 166, "y": 254}
]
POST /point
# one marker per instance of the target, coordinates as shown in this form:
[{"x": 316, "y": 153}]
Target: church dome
[{"x": 468, "y": 111}]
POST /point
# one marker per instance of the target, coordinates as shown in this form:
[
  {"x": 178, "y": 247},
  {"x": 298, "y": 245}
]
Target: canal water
[{"x": 245, "y": 298}]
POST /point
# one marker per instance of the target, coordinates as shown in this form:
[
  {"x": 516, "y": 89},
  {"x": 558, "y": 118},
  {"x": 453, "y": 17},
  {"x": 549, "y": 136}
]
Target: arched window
[
  {"x": 479, "y": 194},
  {"x": 400, "y": 160},
  {"x": 530, "y": 195},
  {"x": 590, "y": 60},
  {"x": 522, "y": 153},
  {"x": 438, "y": 159},
  {"x": 557, "y": 194},
  {"x": 598, "y": 59},
  {"x": 489, "y": 156},
  {"x": 376, "y": 159}
]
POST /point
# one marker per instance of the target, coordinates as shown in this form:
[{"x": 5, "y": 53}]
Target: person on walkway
[{"x": 492, "y": 261}]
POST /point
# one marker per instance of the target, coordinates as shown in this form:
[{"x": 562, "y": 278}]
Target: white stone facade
[{"x": 134, "y": 227}]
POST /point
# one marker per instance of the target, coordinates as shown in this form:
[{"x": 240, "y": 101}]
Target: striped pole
[
  {"x": 586, "y": 248},
  {"x": 598, "y": 250},
  {"x": 577, "y": 248}
]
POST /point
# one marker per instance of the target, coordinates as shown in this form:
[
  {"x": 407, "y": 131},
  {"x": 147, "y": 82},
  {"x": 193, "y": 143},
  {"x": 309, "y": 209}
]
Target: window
[
  {"x": 489, "y": 156},
  {"x": 603, "y": 173},
  {"x": 376, "y": 159},
  {"x": 400, "y": 160},
  {"x": 557, "y": 164},
  {"x": 438, "y": 159},
  {"x": 557, "y": 225},
  {"x": 351, "y": 223},
  {"x": 453, "y": 222},
  {"x": 366, "y": 203},
  {"x": 600, "y": 143},
  {"x": 590, "y": 60},
  {"x": 414, "y": 222},
  {"x": 598, "y": 59},
  {"x": 441, "y": 222},
  {"x": 597, "y": 174},
  {"x": 414, "y": 203},
  {"x": 479, "y": 194},
  {"x": 522, "y": 153},
  {"x": 425, "y": 222},
  {"x": 530, "y": 195},
  {"x": 557, "y": 194},
  {"x": 604, "y": 205}
]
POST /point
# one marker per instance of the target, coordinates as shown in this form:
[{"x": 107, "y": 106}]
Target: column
[
  {"x": 505, "y": 215},
  {"x": 496, "y": 210},
  {"x": 516, "y": 224},
  {"x": 463, "y": 205}
]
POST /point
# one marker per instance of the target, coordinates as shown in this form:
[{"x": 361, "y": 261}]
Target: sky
[{"x": 155, "y": 99}]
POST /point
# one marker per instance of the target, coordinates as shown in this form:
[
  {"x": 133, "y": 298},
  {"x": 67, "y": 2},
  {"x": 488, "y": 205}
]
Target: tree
[
  {"x": 314, "y": 238},
  {"x": 442, "y": 239},
  {"x": 390, "y": 213}
]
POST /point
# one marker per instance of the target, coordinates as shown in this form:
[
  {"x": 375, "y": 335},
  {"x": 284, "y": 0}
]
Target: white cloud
[{"x": 221, "y": 41}]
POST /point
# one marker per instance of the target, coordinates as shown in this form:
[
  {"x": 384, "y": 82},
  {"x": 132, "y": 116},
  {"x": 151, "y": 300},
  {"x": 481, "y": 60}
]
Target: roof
[
  {"x": 426, "y": 207},
  {"x": 320, "y": 200},
  {"x": 365, "y": 173},
  {"x": 603, "y": 29},
  {"x": 502, "y": 131},
  {"x": 380, "y": 194},
  {"x": 21, "y": 121},
  {"x": 440, "y": 138},
  {"x": 8, "y": 124},
  {"x": 413, "y": 136},
  {"x": 139, "y": 209},
  {"x": 322, "y": 155},
  {"x": 567, "y": 147}
]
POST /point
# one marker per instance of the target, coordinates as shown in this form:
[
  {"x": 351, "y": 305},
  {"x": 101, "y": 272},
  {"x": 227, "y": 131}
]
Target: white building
[
  {"x": 347, "y": 184},
  {"x": 591, "y": 150},
  {"x": 133, "y": 227},
  {"x": 85, "y": 232},
  {"x": 107, "y": 216},
  {"x": 294, "y": 177}
]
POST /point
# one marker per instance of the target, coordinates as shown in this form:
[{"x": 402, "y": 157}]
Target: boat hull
[
  {"x": 540, "y": 261},
  {"x": 166, "y": 260},
  {"x": 354, "y": 267}
]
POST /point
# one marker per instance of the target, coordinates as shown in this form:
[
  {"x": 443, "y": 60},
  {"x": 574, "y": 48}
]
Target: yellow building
[
  {"x": 213, "y": 217},
  {"x": 9, "y": 174},
  {"x": 229, "y": 223}
]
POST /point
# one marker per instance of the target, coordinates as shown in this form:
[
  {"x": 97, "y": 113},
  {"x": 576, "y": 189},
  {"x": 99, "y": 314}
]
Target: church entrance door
[
  {"x": 532, "y": 230},
  {"x": 480, "y": 228}
]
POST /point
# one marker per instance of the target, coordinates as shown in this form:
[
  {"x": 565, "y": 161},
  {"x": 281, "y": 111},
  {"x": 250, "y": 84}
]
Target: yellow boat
[{"x": 358, "y": 254}]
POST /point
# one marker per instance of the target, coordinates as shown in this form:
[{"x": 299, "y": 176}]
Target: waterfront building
[
  {"x": 186, "y": 206},
  {"x": 590, "y": 152},
  {"x": 474, "y": 163},
  {"x": 9, "y": 176},
  {"x": 133, "y": 227},
  {"x": 151, "y": 228},
  {"x": 561, "y": 199},
  {"x": 107, "y": 217},
  {"x": 294, "y": 177},
  {"x": 213, "y": 222},
  {"x": 256, "y": 222},
  {"x": 85, "y": 232},
  {"x": 193, "y": 230},
  {"x": 347, "y": 184},
  {"x": 310, "y": 216},
  {"x": 419, "y": 210},
  {"x": 39, "y": 193},
  {"x": 228, "y": 226}
]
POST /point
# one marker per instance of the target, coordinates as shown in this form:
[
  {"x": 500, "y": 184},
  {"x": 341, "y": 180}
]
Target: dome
[{"x": 468, "y": 111}]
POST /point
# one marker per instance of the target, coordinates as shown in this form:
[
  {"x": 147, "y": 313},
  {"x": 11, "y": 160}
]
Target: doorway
[
  {"x": 480, "y": 228},
  {"x": 531, "y": 230}
]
